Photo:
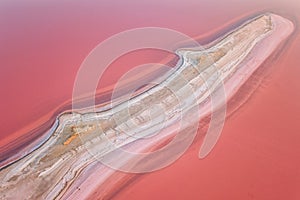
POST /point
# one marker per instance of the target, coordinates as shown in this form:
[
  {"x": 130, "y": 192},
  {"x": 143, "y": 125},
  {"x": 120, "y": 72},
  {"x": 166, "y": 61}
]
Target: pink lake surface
[{"x": 43, "y": 43}]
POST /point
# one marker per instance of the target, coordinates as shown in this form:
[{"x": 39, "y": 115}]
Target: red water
[{"x": 43, "y": 44}]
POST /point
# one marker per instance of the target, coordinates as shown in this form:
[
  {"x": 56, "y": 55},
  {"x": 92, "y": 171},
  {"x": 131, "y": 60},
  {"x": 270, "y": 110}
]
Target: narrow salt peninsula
[{"x": 64, "y": 162}]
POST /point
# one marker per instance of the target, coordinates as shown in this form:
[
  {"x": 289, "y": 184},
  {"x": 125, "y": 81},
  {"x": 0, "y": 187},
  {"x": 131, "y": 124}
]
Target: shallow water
[{"x": 43, "y": 45}]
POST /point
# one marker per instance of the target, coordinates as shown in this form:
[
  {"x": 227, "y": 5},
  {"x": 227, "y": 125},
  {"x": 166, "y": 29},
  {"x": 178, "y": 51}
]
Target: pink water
[{"x": 43, "y": 44}]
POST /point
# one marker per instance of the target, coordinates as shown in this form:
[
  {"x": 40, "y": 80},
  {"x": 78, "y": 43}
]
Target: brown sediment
[
  {"x": 49, "y": 171},
  {"x": 20, "y": 143}
]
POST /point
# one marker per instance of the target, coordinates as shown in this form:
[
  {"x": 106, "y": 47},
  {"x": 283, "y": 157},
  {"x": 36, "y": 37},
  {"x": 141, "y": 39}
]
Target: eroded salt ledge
[{"x": 67, "y": 161}]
